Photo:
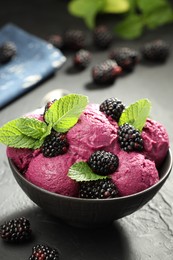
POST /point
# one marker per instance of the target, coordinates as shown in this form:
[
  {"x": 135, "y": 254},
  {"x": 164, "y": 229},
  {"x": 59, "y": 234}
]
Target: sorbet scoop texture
[{"x": 95, "y": 131}]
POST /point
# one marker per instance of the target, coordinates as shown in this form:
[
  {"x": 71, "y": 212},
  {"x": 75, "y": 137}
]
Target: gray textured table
[{"x": 147, "y": 234}]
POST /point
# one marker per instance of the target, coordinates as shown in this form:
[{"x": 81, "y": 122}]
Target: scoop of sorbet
[
  {"x": 156, "y": 141},
  {"x": 51, "y": 174},
  {"x": 134, "y": 174}
]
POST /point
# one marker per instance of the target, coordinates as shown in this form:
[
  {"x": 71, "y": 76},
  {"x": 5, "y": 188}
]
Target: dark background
[{"x": 147, "y": 234}]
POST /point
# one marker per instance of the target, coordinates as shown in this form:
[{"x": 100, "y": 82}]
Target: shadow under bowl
[{"x": 86, "y": 212}]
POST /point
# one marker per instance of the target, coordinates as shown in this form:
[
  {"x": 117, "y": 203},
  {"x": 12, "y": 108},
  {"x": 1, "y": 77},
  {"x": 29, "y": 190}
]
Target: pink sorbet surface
[
  {"x": 94, "y": 131},
  {"x": 51, "y": 174},
  {"x": 156, "y": 141},
  {"x": 134, "y": 174},
  {"x": 21, "y": 157}
]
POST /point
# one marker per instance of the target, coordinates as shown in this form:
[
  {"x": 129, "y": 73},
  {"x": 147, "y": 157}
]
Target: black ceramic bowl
[{"x": 91, "y": 213}]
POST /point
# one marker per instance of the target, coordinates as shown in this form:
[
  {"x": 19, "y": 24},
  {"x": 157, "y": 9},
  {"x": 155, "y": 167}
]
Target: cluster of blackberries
[
  {"x": 129, "y": 138},
  {"x": 7, "y": 51},
  {"x": 19, "y": 230},
  {"x": 125, "y": 58},
  {"x": 102, "y": 163}
]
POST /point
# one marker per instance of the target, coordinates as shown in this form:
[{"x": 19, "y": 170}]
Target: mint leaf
[
  {"x": 81, "y": 171},
  {"x": 11, "y": 135},
  {"x": 31, "y": 127},
  {"x": 131, "y": 27},
  {"x": 65, "y": 112},
  {"x": 136, "y": 114},
  {"x": 86, "y": 9},
  {"x": 118, "y": 6}
]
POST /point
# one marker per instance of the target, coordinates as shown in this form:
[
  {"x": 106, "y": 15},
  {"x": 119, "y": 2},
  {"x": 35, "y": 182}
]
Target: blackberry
[
  {"x": 16, "y": 230},
  {"x": 112, "y": 107},
  {"x": 103, "y": 163},
  {"x": 99, "y": 189},
  {"x": 125, "y": 57},
  {"x": 156, "y": 51},
  {"x": 44, "y": 252},
  {"x": 7, "y": 51},
  {"x": 48, "y": 105},
  {"x": 106, "y": 72},
  {"x": 55, "y": 144},
  {"x": 102, "y": 37},
  {"x": 129, "y": 138},
  {"x": 56, "y": 40},
  {"x": 74, "y": 40},
  {"x": 82, "y": 59}
]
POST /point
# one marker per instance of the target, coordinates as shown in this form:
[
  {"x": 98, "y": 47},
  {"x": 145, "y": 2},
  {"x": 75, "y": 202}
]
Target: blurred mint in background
[{"x": 135, "y": 15}]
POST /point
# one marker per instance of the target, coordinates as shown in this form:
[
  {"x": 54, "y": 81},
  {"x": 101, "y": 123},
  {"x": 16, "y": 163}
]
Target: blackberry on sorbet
[
  {"x": 55, "y": 144},
  {"x": 99, "y": 189},
  {"x": 103, "y": 163},
  {"x": 16, "y": 230},
  {"x": 44, "y": 252},
  {"x": 130, "y": 138},
  {"x": 112, "y": 107},
  {"x": 48, "y": 105}
]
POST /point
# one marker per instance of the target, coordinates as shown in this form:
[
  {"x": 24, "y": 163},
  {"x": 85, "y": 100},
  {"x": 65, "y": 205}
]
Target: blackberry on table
[
  {"x": 129, "y": 138},
  {"x": 112, "y": 107},
  {"x": 103, "y": 163},
  {"x": 125, "y": 57},
  {"x": 7, "y": 51},
  {"x": 56, "y": 40},
  {"x": 82, "y": 59},
  {"x": 16, "y": 230},
  {"x": 106, "y": 72},
  {"x": 99, "y": 189},
  {"x": 102, "y": 37},
  {"x": 44, "y": 252},
  {"x": 74, "y": 40},
  {"x": 55, "y": 144},
  {"x": 157, "y": 51}
]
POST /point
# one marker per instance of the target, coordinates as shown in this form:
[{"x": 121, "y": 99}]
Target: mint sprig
[
  {"x": 136, "y": 114},
  {"x": 27, "y": 132},
  {"x": 23, "y": 133},
  {"x": 81, "y": 171},
  {"x": 137, "y": 16},
  {"x": 64, "y": 113}
]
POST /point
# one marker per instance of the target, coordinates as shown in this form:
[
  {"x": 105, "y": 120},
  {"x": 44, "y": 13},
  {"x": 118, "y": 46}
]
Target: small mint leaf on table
[
  {"x": 136, "y": 114},
  {"x": 81, "y": 171},
  {"x": 65, "y": 112},
  {"x": 23, "y": 133}
]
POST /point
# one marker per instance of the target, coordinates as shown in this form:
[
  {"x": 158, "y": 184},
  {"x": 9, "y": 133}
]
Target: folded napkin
[{"x": 35, "y": 60}]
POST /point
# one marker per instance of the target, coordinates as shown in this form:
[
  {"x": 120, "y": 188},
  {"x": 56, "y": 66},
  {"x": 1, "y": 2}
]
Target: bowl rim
[{"x": 169, "y": 153}]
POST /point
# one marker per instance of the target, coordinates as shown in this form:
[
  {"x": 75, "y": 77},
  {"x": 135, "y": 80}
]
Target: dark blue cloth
[{"x": 35, "y": 60}]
